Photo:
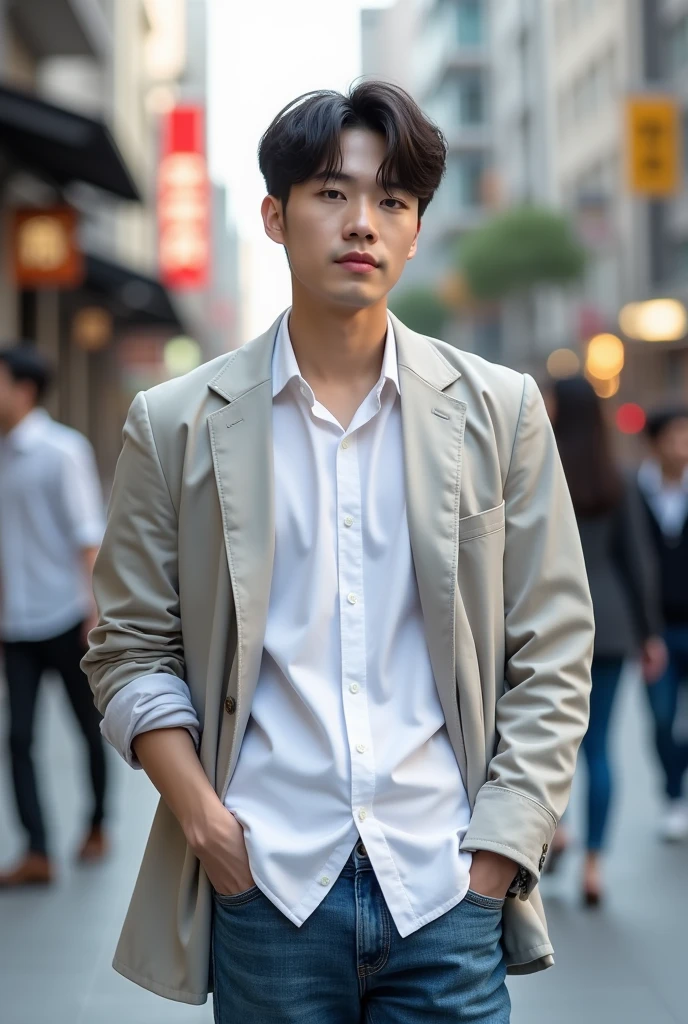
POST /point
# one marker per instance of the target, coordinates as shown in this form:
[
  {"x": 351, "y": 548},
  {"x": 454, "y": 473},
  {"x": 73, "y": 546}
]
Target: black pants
[{"x": 25, "y": 663}]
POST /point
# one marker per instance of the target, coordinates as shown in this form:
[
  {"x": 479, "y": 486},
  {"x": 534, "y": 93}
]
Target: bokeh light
[
  {"x": 563, "y": 362},
  {"x": 655, "y": 320},
  {"x": 605, "y": 357},
  {"x": 630, "y": 418},
  {"x": 605, "y": 388},
  {"x": 181, "y": 355}
]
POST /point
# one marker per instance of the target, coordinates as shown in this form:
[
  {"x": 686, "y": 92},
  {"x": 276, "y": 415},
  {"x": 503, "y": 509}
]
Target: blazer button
[{"x": 230, "y": 705}]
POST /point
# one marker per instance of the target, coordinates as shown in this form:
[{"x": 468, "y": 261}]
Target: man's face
[
  {"x": 671, "y": 446},
  {"x": 327, "y": 220},
  {"x": 9, "y": 399}
]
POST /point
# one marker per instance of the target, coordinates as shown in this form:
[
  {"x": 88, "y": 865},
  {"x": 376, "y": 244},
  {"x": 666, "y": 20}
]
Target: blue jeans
[
  {"x": 606, "y": 672},
  {"x": 663, "y": 697},
  {"x": 347, "y": 963}
]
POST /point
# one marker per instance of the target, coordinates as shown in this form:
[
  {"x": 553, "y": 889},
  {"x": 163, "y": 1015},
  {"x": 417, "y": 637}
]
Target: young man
[
  {"x": 342, "y": 564},
  {"x": 663, "y": 480},
  {"x": 51, "y": 523}
]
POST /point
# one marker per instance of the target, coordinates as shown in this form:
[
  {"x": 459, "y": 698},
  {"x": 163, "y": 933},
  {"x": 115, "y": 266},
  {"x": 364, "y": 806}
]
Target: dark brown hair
[
  {"x": 585, "y": 448},
  {"x": 304, "y": 140}
]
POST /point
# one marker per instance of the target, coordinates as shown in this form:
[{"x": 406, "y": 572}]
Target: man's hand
[
  {"x": 492, "y": 874},
  {"x": 653, "y": 659},
  {"x": 217, "y": 839}
]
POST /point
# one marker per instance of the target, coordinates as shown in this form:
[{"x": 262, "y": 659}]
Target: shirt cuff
[{"x": 157, "y": 701}]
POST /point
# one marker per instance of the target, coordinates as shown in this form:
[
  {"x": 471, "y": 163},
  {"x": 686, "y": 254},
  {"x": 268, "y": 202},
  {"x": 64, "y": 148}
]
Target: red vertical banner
[{"x": 184, "y": 200}]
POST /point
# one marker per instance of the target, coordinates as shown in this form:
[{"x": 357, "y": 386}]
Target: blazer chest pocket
[{"x": 482, "y": 524}]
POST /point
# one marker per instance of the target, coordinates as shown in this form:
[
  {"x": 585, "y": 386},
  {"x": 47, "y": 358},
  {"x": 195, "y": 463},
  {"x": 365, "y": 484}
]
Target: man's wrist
[
  {"x": 198, "y": 822},
  {"x": 492, "y": 874}
]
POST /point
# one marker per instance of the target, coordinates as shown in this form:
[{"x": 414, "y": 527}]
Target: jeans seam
[
  {"x": 227, "y": 900},
  {"x": 216, "y": 1001},
  {"x": 386, "y": 945},
  {"x": 487, "y": 902}
]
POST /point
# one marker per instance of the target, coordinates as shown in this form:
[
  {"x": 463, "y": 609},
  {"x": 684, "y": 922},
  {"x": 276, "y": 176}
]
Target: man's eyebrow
[
  {"x": 335, "y": 176},
  {"x": 349, "y": 179}
]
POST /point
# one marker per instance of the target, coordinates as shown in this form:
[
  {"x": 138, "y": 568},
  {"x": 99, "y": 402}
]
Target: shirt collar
[
  {"x": 27, "y": 430},
  {"x": 285, "y": 368},
  {"x": 651, "y": 480}
]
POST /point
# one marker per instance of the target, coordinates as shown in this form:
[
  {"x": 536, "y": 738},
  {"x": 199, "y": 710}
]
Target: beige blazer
[{"x": 183, "y": 581}]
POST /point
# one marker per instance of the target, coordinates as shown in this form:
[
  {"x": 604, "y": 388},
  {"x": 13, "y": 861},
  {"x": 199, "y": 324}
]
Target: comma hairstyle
[{"x": 304, "y": 140}]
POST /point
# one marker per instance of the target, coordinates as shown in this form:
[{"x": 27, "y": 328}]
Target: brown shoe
[
  {"x": 95, "y": 846},
  {"x": 34, "y": 869}
]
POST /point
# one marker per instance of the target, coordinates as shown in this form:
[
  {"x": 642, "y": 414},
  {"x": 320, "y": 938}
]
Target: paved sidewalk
[{"x": 625, "y": 964}]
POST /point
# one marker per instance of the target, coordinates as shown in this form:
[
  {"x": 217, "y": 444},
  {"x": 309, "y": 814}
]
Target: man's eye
[
  {"x": 399, "y": 204},
  {"x": 331, "y": 193}
]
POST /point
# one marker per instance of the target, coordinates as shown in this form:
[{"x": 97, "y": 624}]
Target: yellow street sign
[{"x": 653, "y": 145}]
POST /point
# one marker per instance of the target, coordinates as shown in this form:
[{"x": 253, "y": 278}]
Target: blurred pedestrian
[
  {"x": 345, "y": 626},
  {"x": 51, "y": 523},
  {"x": 623, "y": 584},
  {"x": 663, "y": 481}
]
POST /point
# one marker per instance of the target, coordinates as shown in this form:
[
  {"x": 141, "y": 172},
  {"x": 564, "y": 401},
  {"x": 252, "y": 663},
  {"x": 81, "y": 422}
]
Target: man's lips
[{"x": 358, "y": 262}]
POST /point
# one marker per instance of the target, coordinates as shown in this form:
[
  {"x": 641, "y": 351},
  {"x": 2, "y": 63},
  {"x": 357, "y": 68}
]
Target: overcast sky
[{"x": 263, "y": 53}]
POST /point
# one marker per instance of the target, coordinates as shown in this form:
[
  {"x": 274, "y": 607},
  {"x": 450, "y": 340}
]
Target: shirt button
[
  {"x": 324, "y": 880},
  {"x": 351, "y": 598},
  {"x": 354, "y": 688},
  {"x": 348, "y": 520},
  {"x": 345, "y": 444},
  {"x": 362, "y": 814},
  {"x": 361, "y": 748}
]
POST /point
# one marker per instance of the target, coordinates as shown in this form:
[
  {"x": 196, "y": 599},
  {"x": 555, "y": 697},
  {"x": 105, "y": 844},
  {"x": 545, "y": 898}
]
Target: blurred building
[
  {"x": 601, "y": 53},
  {"x": 533, "y": 96},
  {"x": 84, "y": 90},
  {"x": 534, "y": 323}
]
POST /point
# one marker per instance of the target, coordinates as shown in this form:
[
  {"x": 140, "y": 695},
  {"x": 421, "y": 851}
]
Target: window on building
[
  {"x": 470, "y": 23},
  {"x": 677, "y": 45},
  {"x": 468, "y": 172},
  {"x": 471, "y": 98}
]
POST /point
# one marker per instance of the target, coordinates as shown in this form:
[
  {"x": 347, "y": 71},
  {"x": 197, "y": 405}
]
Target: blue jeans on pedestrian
[
  {"x": 663, "y": 698},
  {"x": 347, "y": 963},
  {"x": 606, "y": 672}
]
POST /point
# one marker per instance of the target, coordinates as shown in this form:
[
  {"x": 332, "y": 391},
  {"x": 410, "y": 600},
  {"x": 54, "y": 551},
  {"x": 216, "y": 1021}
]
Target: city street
[{"x": 625, "y": 963}]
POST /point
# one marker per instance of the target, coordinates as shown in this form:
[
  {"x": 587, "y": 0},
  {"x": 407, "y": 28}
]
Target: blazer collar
[{"x": 251, "y": 365}]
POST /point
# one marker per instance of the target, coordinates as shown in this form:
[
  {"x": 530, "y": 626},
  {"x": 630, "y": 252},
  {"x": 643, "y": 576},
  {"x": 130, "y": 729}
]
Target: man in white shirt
[
  {"x": 51, "y": 524},
  {"x": 344, "y": 627}
]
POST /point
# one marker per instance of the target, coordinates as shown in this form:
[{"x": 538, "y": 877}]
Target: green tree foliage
[
  {"x": 518, "y": 249},
  {"x": 421, "y": 309}
]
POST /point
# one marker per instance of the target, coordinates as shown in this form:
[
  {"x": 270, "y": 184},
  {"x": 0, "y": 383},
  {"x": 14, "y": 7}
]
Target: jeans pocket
[
  {"x": 237, "y": 899},
  {"x": 485, "y": 902}
]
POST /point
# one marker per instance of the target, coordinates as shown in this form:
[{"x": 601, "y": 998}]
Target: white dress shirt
[
  {"x": 51, "y": 508},
  {"x": 347, "y": 736}
]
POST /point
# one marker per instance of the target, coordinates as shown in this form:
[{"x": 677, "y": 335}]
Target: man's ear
[
  {"x": 414, "y": 245},
  {"x": 273, "y": 219}
]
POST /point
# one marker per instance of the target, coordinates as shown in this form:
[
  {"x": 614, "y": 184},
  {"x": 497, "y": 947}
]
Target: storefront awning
[
  {"x": 134, "y": 297},
  {"x": 61, "y": 144}
]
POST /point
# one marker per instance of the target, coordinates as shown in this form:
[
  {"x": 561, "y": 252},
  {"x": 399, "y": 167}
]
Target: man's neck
[
  {"x": 339, "y": 353},
  {"x": 335, "y": 346},
  {"x": 672, "y": 476},
  {"x": 8, "y": 426}
]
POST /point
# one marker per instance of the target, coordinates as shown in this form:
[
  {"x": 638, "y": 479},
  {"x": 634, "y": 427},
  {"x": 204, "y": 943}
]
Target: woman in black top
[{"x": 619, "y": 560}]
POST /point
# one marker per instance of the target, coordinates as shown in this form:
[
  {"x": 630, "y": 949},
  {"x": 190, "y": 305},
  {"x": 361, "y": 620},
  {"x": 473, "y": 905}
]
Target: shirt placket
[{"x": 353, "y": 634}]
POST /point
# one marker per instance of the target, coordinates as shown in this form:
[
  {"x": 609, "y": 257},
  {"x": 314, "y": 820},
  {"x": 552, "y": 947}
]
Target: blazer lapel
[
  {"x": 433, "y": 432},
  {"x": 241, "y": 443}
]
